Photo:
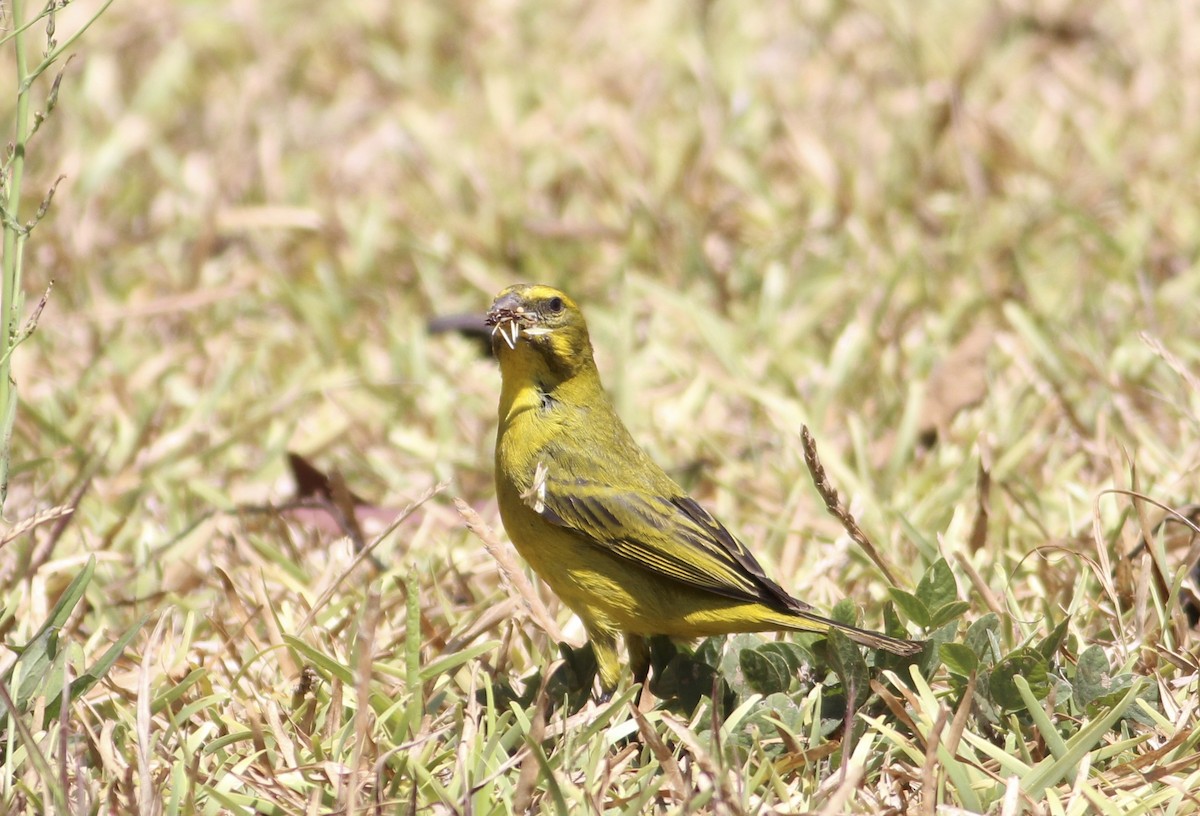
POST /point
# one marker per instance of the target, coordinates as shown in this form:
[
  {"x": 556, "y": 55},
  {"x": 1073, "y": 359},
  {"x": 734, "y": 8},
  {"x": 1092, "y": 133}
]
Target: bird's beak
[{"x": 507, "y": 316}]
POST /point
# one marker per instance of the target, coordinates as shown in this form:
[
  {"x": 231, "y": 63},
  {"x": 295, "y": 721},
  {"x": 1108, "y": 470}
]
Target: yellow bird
[{"x": 616, "y": 539}]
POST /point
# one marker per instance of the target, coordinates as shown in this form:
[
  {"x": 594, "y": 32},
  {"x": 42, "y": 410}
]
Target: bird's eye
[{"x": 555, "y": 304}]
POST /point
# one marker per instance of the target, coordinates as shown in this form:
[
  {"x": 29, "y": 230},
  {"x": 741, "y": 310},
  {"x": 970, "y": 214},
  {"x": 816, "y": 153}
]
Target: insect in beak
[
  {"x": 510, "y": 321},
  {"x": 506, "y": 318},
  {"x": 510, "y": 337}
]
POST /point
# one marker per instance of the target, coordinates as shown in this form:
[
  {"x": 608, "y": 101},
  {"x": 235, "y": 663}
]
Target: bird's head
[{"x": 535, "y": 325}]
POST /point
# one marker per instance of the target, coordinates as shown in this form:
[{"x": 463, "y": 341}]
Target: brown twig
[
  {"x": 836, "y": 509},
  {"x": 366, "y": 553},
  {"x": 511, "y": 571}
]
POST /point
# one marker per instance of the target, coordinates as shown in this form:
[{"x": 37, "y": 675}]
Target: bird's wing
[{"x": 671, "y": 535}]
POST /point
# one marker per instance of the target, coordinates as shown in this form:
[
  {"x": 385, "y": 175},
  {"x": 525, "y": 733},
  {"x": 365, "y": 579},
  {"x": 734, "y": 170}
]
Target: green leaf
[
  {"x": 684, "y": 682},
  {"x": 450, "y": 662},
  {"x": 847, "y": 661},
  {"x": 782, "y": 711},
  {"x": 930, "y": 658},
  {"x": 1053, "y": 641},
  {"x": 765, "y": 672},
  {"x": 845, "y": 611},
  {"x": 573, "y": 679},
  {"x": 320, "y": 660},
  {"x": 770, "y": 715},
  {"x": 40, "y": 652},
  {"x": 892, "y": 625},
  {"x": 1024, "y": 662},
  {"x": 1121, "y": 682},
  {"x": 937, "y": 587},
  {"x": 948, "y": 612},
  {"x": 81, "y": 684},
  {"x": 983, "y": 638},
  {"x": 731, "y": 663},
  {"x": 1092, "y": 677},
  {"x": 1041, "y": 720},
  {"x": 579, "y": 659},
  {"x": 174, "y": 692},
  {"x": 913, "y": 607},
  {"x": 795, "y": 655},
  {"x": 710, "y": 649},
  {"x": 1050, "y": 770},
  {"x": 958, "y": 659},
  {"x": 1117, "y": 686}
]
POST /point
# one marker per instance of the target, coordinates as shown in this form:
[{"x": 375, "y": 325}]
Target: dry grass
[{"x": 958, "y": 241}]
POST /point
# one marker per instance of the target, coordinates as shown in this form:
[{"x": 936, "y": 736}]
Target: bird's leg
[
  {"x": 604, "y": 647},
  {"x": 639, "y": 662}
]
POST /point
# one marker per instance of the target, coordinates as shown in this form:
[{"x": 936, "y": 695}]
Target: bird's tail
[{"x": 873, "y": 640}]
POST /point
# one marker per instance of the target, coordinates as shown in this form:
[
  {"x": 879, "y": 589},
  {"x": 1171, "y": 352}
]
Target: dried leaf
[{"x": 956, "y": 383}]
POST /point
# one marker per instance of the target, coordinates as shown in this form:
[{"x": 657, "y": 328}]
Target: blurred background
[
  {"x": 264, "y": 203},
  {"x": 953, "y": 238}
]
